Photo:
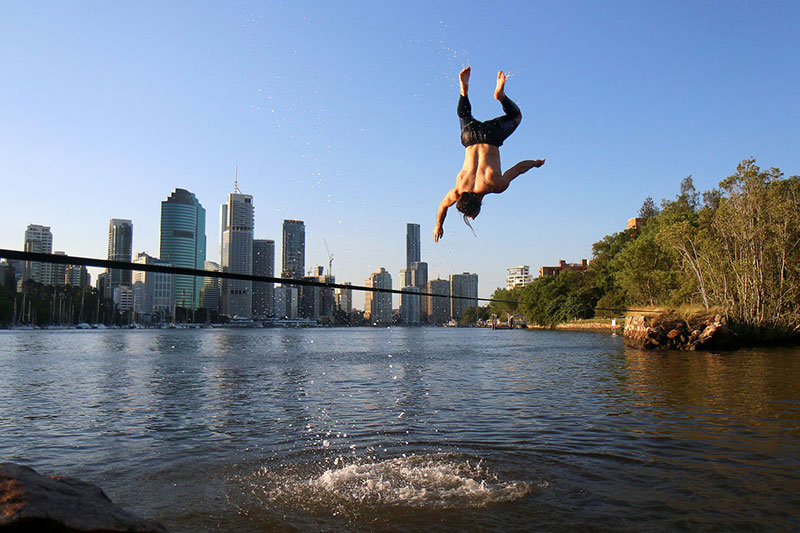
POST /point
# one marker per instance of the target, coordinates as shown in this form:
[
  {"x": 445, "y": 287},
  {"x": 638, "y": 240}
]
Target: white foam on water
[{"x": 437, "y": 481}]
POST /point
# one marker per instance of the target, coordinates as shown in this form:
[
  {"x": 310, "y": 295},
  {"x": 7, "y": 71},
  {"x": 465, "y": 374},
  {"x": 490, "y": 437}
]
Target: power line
[{"x": 122, "y": 265}]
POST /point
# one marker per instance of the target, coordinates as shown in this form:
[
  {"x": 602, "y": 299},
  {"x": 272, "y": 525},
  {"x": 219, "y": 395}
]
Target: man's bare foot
[
  {"x": 463, "y": 77},
  {"x": 538, "y": 162},
  {"x": 499, "y": 91}
]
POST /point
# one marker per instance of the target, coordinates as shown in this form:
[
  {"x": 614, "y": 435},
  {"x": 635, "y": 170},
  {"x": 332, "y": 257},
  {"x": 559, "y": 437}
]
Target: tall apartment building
[
  {"x": 58, "y": 272},
  {"x": 316, "y": 302},
  {"x": 293, "y": 263},
  {"x": 344, "y": 299},
  {"x": 38, "y": 239},
  {"x": 182, "y": 243},
  {"x": 412, "y": 244},
  {"x": 518, "y": 277},
  {"x": 410, "y": 311},
  {"x": 286, "y": 302},
  {"x": 378, "y": 305},
  {"x": 236, "y": 251},
  {"x": 123, "y": 297},
  {"x": 418, "y": 274},
  {"x": 120, "y": 248},
  {"x": 437, "y": 308},
  {"x": 263, "y": 265},
  {"x": 153, "y": 292},
  {"x": 209, "y": 296},
  {"x": 77, "y": 276},
  {"x": 465, "y": 285},
  {"x": 414, "y": 275}
]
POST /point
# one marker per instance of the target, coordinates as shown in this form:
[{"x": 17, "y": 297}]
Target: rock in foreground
[
  {"x": 30, "y": 501},
  {"x": 672, "y": 333}
]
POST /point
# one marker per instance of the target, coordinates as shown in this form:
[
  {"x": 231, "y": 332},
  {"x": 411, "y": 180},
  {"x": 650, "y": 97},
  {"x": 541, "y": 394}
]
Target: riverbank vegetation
[{"x": 734, "y": 250}]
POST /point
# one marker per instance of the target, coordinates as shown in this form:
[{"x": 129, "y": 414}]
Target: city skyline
[
  {"x": 623, "y": 101},
  {"x": 183, "y": 210}
]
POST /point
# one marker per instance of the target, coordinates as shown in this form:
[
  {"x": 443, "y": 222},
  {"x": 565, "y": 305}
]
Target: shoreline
[{"x": 579, "y": 326}]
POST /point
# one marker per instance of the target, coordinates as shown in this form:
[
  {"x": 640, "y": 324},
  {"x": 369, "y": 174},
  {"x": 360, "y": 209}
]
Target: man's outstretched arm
[{"x": 449, "y": 199}]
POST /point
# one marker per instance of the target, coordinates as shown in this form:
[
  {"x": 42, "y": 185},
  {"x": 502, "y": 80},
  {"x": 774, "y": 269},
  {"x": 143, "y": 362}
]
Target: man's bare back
[{"x": 481, "y": 173}]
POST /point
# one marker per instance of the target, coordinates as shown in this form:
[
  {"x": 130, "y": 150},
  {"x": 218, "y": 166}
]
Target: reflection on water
[
  {"x": 407, "y": 428},
  {"x": 753, "y": 386}
]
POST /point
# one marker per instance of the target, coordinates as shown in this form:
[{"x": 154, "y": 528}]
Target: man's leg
[
  {"x": 464, "y": 107},
  {"x": 502, "y": 127},
  {"x": 520, "y": 168}
]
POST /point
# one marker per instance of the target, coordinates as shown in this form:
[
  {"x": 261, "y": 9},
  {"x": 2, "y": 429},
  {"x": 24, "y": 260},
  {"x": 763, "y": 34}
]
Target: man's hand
[{"x": 438, "y": 231}]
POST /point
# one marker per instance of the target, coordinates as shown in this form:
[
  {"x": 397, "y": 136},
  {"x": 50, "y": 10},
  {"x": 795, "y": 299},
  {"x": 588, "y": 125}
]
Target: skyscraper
[
  {"x": 294, "y": 249},
  {"x": 77, "y": 276},
  {"x": 410, "y": 306},
  {"x": 378, "y": 305},
  {"x": 209, "y": 297},
  {"x": 58, "y": 272},
  {"x": 263, "y": 265},
  {"x": 414, "y": 275},
  {"x": 412, "y": 244},
  {"x": 344, "y": 298},
  {"x": 38, "y": 239},
  {"x": 465, "y": 284},
  {"x": 437, "y": 308},
  {"x": 153, "y": 292},
  {"x": 418, "y": 274},
  {"x": 286, "y": 302},
  {"x": 120, "y": 248},
  {"x": 236, "y": 254},
  {"x": 183, "y": 243}
]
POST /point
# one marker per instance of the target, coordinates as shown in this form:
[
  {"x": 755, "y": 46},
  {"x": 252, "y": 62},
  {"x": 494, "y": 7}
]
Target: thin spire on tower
[{"x": 236, "y": 179}]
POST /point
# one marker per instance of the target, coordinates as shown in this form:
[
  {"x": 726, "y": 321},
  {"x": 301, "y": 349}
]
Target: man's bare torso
[{"x": 481, "y": 171}]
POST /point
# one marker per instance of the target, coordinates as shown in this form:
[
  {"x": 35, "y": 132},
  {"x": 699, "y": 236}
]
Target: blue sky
[{"x": 342, "y": 114}]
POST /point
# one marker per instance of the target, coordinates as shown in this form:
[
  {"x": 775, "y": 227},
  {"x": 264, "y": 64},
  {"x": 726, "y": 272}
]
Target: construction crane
[{"x": 330, "y": 258}]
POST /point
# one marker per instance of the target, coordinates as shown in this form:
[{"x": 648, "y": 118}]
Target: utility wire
[{"x": 123, "y": 265}]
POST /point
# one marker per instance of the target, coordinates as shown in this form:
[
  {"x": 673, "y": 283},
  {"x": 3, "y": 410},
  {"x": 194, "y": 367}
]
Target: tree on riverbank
[
  {"x": 550, "y": 300},
  {"x": 743, "y": 250},
  {"x": 737, "y": 250}
]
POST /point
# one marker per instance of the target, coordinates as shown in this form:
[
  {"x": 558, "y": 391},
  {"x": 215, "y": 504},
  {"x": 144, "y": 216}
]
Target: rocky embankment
[
  {"x": 30, "y": 501},
  {"x": 668, "y": 332}
]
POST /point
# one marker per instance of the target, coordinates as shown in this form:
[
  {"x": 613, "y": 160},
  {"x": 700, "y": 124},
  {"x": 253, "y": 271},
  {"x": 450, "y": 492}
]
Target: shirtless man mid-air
[{"x": 481, "y": 174}]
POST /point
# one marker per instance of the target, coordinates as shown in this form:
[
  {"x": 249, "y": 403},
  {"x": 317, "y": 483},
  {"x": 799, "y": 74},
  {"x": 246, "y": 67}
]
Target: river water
[{"x": 408, "y": 429}]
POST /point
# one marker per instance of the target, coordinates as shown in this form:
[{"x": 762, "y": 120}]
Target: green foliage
[
  {"x": 500, "y": 305},
  {"x": 567, "y": 296},
  {"x": 648, "y": 209},
  {"x": 757, "y": 232},
  {"x": 738, "y": 251},
  {"x": 48, "y": 305},
  {"x": 472, "y": 315}
]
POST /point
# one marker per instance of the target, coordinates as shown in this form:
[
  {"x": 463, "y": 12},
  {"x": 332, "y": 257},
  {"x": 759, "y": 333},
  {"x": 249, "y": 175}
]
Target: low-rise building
[
  {"x": 550, "y": 271},
  {"x": 518, "y": 277}
]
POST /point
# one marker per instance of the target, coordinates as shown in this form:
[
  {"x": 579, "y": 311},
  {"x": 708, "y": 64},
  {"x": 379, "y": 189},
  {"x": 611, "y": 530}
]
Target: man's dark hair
[{"x": 470, "y": 205}]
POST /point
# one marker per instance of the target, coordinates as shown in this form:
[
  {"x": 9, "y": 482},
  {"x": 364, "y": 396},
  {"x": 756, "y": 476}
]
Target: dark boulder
[{"x": 30, "y": 501}]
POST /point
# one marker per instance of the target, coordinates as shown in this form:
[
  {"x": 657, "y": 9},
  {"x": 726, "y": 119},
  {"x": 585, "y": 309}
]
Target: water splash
[
  {"x": 431, "y": 481},
  {"x": 419, "y": 481}
]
